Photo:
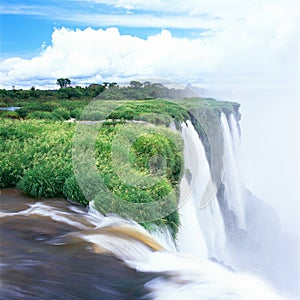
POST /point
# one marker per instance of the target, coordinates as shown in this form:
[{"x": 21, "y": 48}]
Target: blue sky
[{"x": 28, "y": 25}]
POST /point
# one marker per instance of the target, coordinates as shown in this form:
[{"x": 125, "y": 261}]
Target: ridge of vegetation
[{"x": 36, "y": 145}]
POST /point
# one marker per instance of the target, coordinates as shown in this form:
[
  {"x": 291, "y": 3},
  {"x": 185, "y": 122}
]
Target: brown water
[
  {"x": 53, "y": 249},
  {"x": 43, "y": 257}
]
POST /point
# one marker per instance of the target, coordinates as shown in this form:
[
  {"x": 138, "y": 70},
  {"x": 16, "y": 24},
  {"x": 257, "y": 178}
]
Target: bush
[
  {"x": 28, "y": 107},
  {"x": 40, "y": 147},
  {"x": 61, "y": 113},
  {"x": 73, "y": 192},
  {"x": 42, "y": 115},
  {"x": 11, "y": 170},
  {"x": 44, "y": 181},
  {"x": 9, "y": 114},
  {"x": 76, "y": 113}
]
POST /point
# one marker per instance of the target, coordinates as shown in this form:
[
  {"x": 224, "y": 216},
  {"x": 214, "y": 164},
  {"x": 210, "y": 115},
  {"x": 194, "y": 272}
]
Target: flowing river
[
  {"x": 41, "y": 259},
  {"x": 54, "y": 249}
]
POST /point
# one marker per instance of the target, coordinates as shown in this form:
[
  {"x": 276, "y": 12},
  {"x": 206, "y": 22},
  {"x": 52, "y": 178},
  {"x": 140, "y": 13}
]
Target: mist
[{"x": 270, "y": 138}]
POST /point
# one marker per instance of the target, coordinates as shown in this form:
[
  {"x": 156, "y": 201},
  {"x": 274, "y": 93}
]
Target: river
[{"x": 39, "y": 262}]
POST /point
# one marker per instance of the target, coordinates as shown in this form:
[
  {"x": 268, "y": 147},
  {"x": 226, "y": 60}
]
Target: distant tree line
[
  {"x": 145, "y": 90},
  {"x": 105, "y": 91}
]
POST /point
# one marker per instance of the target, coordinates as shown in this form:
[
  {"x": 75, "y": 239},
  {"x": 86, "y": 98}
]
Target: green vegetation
[
  {"x": 36, "y": 156},
  {"x": 106, "y": 91},
  {"x": 136, "y": 162},
  {"x": 147, "y": 90},
  {"x": 63, "y": 82}
]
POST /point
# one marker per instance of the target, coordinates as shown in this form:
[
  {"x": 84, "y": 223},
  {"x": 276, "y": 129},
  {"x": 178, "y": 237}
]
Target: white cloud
[{"x": 259, "y": 46}]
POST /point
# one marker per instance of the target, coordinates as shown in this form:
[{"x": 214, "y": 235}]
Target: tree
[
  {"x": 136, "y": 84},
  {"x": 63, "y": 82},
  {"x": 113, "y": 84},
  {"x": 95, "y": 89},
  {"x": 33, "y": 92}
]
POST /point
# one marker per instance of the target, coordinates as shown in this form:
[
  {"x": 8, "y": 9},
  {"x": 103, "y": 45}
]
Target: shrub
[
  {"x": 9, "y": 114},
  {"x": 44, "y": 181},
  {"x": 72, "y": 191},
  {"x": 61, "y": 113},
  {"x": 76, "y": 113},
  {"x": 11, "y": 170},
  {"x": 42, "y": 115}
]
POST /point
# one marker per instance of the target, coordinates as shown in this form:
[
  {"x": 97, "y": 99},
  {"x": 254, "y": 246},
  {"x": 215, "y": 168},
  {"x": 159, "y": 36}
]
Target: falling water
[
  {"x": 190, "y": 238},
  {"x": 232, "y": 174},
  {"x": 236, "y": 140},
  {"x": 67, "y": 259},
  {"x": 201, "y": 228}
]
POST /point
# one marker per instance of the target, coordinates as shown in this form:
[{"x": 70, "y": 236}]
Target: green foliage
[
  {"x": 76, "y": 113},
  {"x": 35, "y": 156},
  {"x": 42, "y": 115},
  {"x": 33, "y": 152},
  {"x": 95, "y": 89},
  {"x": 156, "y": 111},
  {"x": 9, "y": 114},
  {"x": 136, "y": 84},
  {"x": 44, "y": 180},
  {"x": 147, "y": 90},
  {"x": 157, "y": 154},
  {"x": 150, "y": 171},
  {"x": 62, "y": 113},
  {"x": 63, "y": 82},
  {"x": 72, "y": 191}
]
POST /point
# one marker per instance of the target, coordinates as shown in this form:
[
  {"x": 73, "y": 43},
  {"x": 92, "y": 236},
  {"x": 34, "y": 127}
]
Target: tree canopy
[{"x": 63, "y": 82}]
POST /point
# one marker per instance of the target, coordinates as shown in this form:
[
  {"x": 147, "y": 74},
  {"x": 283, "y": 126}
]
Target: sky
[{"x": 246, "y": 51}]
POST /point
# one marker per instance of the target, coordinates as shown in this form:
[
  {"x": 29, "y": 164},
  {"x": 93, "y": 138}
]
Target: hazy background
[{"x": 271, "y": 145}]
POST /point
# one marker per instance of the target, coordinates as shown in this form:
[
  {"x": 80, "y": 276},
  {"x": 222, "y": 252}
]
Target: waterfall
[
  {"x": 79, "y": 250},
  {"x": 202, "y": 230},
  {"x": 234, "y": 188},
  {"x": 235, "y": 133}
]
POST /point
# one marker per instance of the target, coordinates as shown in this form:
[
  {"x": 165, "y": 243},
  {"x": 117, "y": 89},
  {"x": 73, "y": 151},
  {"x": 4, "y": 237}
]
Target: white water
[
  {"x": 187, "y": 277},
  {"x": 202, "y": 232},
  {"x": 236, "y": 140},
  {"x": 232, "y": 173},
  {"x": 204, "y": 280},
  {"x": 190, "y": 238}
]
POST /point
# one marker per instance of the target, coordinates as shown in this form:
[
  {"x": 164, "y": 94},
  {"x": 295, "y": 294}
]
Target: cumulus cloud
[{"x": 259, "y": 45}]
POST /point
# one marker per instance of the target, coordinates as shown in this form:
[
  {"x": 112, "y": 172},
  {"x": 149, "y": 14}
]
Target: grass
[{"x": 36, "y": 156}]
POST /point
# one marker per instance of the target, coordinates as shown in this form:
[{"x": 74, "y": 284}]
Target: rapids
[{"x": 54, "y": 249}]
